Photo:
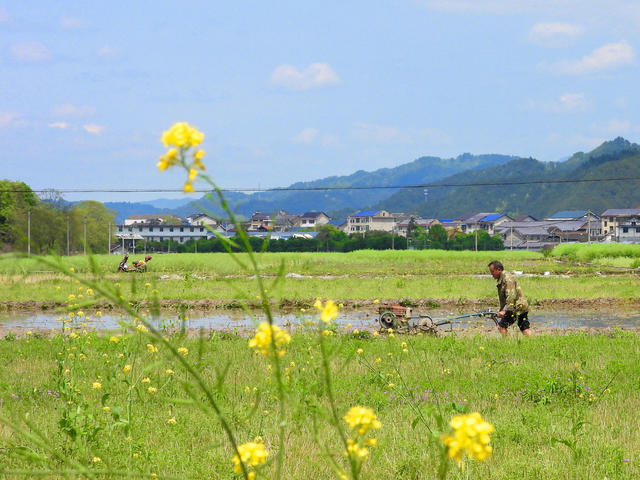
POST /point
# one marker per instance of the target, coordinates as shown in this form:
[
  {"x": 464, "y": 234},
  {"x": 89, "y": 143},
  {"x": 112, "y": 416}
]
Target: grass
[
  {"x": 533, "y": 391},
  {"x": 356, "y": 276}
]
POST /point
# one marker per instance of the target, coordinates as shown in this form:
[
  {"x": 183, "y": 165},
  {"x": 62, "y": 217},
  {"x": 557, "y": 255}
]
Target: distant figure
[
  {"x": 142, "y": 264},
  {"x": 513, "y": 304},
  {"x": 123, "y": 267}
]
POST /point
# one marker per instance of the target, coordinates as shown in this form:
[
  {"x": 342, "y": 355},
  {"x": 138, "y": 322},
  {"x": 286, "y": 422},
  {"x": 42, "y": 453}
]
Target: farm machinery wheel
[
  {"x": 426, "y": 324},
  {"x": 387, "y": 320}
]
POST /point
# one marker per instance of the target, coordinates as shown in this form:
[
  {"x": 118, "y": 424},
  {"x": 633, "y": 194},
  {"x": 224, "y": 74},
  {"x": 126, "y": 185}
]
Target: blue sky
[{"x": 295, "y": 91}]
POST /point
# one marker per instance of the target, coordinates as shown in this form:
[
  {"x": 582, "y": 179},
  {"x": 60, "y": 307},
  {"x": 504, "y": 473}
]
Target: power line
[{"x": 322, "y": 189}]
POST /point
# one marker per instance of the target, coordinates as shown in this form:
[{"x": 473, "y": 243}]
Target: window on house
[
  {"x": 162, "y": 229},
  {"x": 202, "y": 229},
  {"x": 171, "y": 229},
  {"x": 151, "y": 229},
  {"x": 182, "y": 229},
  {"x": 625, "y": 230},
  {"x": 191, "y": 229},
  {"x": 637, "y": 229}
]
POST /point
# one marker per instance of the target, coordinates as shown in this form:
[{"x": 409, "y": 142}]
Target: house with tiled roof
[
  {"x": 152, "y": 218},
  {"x": 366, "y": 220},
  {"x": 313, "y": 219},
  {"x": 622, "y": 224}
]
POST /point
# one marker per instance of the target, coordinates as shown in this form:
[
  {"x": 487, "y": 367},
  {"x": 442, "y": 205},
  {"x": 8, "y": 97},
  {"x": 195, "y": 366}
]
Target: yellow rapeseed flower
[
  {"x": 96, "y": 385},
  {"x": 188, "y": 188},
  {"x": 362, "y": 419},
  {"x": 182, "y": 135},
  {"x": 152, "y": 348},
  {"x": 126, "y": 368},
  {"x": 328, "y": 311},
  {"x": 142, "y": 328},
  {"x": 184, "y": 351},
  {"x": 146, "y": 380},
  {"x": 113, "y": 339},
  {"x": 355, "y": 451},
  {"x": 470, "y": 435},
  {"x": 268, "y": 335},
  {"x": 172, "y": 421},
  {"x": 250, "y": 454},
  {"x": 152, "y": 390},
  {"x": 168, "y": 371}
]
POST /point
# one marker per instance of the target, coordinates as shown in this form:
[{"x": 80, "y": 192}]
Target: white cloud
[
  {"x": 612, "y": 55},
  {"x": 308, "y": 135},
  {"x": 571, "y": 102},
  {"x": 4, "y": 15},
  {"x": 70, "y": 23},
  {"x": 30, "y": 52},
  {"x": 491, "y": 6},
  {"x": 93, "y": 129},
  {"x": 69, "y": 110},
  {"x": 373, "y": 133},
  {"x": 60, "y": 125},
  {"x": 7, "y": 119},
  {"x": 105, "y": 51},
  {"x": 315, "y": 75},
  {"x": 554, "y": 34},
  {"x": 369, "y": 132}
]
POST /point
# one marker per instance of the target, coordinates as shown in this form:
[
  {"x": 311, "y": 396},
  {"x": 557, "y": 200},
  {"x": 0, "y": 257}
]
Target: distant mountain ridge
[
  {"x": 421, "y": 170},
  {"x": 613, "y": 158},
  {"x": 618, "y": 158}
]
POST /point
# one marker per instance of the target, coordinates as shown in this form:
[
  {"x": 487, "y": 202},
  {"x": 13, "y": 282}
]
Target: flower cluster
[
  {"x": 360, "y": 420},
  {"x": 268, "y": 335},
  {"x": 328, "y": 311},
  {"x": 471, "y": 435},
  {"x": 181, "y": 137},
  {"x": 252, "y": 454}
]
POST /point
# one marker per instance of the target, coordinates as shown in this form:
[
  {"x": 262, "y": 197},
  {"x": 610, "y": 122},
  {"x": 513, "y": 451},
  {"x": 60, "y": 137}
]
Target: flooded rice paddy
[{"x": 234, "y": 320}]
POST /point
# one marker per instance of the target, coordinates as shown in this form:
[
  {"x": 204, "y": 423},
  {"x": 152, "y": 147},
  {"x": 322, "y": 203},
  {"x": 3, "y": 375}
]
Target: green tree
[
  {"x": 16, "y": 198},
  {"x": 98, "y": 218}
]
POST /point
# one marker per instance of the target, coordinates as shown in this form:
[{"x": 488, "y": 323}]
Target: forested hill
[
  {"x": 422, "y": 170},
  {"x": 614, "y": 159}
]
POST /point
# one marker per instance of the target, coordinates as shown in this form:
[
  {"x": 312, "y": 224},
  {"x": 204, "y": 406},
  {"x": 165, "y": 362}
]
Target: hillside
[
  {"x": 615, "y": 159},
  {"x": 422, "y": 170}
]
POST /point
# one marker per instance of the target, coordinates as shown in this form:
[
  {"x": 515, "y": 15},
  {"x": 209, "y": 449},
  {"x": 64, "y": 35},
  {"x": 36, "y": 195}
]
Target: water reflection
[{"x": 233, "y": 320}]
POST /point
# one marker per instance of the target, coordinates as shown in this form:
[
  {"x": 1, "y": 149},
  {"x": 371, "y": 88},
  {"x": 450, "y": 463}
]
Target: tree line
[
  {"x": 332, "y": 239},
  {"x": 50, "y": 224}
]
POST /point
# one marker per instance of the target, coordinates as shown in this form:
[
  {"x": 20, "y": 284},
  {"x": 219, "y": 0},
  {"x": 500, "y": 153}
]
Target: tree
[
  {"x": 98, "y": 218},
  {"x": 16, "y": 198}
]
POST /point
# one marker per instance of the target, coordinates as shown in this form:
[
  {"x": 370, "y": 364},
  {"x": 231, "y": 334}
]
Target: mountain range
[{"x": 396, "y": 191}]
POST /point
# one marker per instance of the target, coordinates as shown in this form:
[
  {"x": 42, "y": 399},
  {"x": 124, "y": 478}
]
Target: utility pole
[
  {"x": 476, "y": 236},
  {"x": 67, "y": 235},
  {"x": 195, "y": 245},
  {"x": 28, "y": 232},
  {"x": 85, "y": 236},
  {"x": 109, "y": 238},
  {"x": 589, "y": 226},
  {"x": 511, "y": 238}
]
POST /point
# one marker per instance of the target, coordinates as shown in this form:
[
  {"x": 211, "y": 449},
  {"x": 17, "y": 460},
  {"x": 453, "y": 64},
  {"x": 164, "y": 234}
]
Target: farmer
[
  {"x": 513, "y": 304},
  {"x": 123, "y": 264},
  {"x": 142, "y": 263}
]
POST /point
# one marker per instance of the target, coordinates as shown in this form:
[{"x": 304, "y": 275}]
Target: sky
[{"x": 294, "y": 91}]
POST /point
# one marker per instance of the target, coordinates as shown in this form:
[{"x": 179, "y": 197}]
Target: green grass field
[
  {"x": 534, "y": 392},
  {"x": 357, "y": 276}
]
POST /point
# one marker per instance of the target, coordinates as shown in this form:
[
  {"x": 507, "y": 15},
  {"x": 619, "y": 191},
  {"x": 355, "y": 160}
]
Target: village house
[
  {"x": 424, "y": 223},
  {"x": 201, "y": 219},
  {"x": 148, "y": 219},
  {"x": 621, "y": 224},
  {"x": 364, "y": 221},
  {"x": 313, "y": 219}
]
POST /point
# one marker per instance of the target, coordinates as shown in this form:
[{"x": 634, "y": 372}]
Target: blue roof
[
  {"x": 445, "y": 220},
  {"x": 366, "y": 213},
  {"x": 491, "y": 217},
  {"x": 569, "y": 214},
  {"x": 336, "y": 223}
]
